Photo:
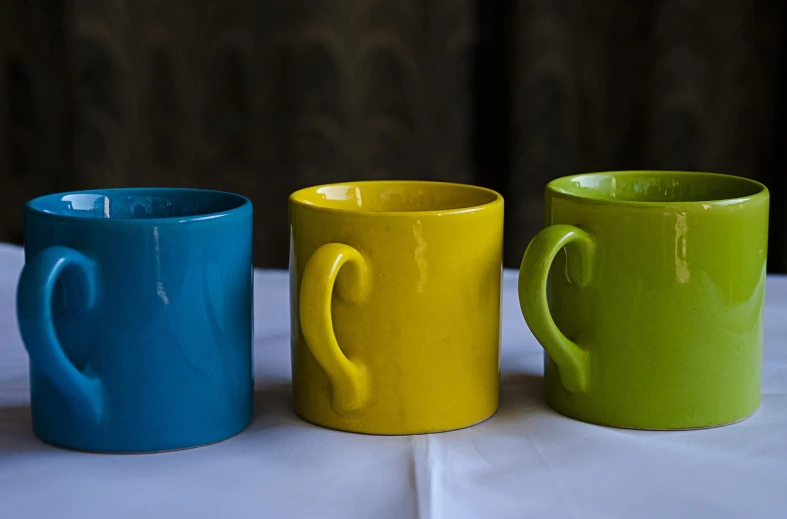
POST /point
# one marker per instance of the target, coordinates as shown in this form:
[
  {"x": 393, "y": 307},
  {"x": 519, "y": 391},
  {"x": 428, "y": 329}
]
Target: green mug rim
[{"x": 558, "y": 187}]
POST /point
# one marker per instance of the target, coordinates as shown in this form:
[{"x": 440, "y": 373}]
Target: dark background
[{"x": 264, "y": 97}]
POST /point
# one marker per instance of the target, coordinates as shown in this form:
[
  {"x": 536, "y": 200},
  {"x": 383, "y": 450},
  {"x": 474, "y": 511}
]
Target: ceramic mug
[
  {"x": 652, "y": 317},
  {"x": 395, "y": 300},
  {"x": 135, "y": 306}
]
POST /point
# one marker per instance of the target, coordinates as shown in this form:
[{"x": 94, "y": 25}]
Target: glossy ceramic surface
[
  {"x": 135, "y": 306},
  {"x": 395, "y": 294},
  {"x": 656, "y": 291}
]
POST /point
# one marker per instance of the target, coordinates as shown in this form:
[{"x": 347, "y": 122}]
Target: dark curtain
[{"x": 264, "y": 97}]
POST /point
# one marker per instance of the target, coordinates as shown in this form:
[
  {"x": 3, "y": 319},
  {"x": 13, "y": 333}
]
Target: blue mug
[{"x": 135, "y": 307}]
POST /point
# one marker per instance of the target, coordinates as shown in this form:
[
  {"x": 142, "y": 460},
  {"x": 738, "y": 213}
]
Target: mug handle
[
  {"x": 571, "y": 359},
  {"x": 34, "y": 316},
  {"x": 348, "y": 379}
]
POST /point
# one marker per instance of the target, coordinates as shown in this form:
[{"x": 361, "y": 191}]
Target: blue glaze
[{"x": 135, "y": 306}]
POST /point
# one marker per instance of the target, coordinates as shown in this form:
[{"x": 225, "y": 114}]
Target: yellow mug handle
[
  {"x": 348, "y": 379},
  {"x": 571, "y": 359}
]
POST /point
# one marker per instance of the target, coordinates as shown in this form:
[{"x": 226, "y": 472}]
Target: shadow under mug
[
  {"x": 135, "y": 306},
  {"x": 646, "y": 289}
]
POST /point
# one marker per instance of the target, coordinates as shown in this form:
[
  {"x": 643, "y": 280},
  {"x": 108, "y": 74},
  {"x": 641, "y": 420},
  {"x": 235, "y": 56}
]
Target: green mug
[{"x": 646, "y": 291}]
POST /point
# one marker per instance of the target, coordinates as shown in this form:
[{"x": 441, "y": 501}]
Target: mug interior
[
  {"x": 395, "y": 196},
  {"x": 138, "y": 204},
  {"x": 657, "y": 186}
]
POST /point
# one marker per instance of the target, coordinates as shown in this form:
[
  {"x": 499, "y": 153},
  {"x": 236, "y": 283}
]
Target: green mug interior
[{"x": 657, "y": 187}]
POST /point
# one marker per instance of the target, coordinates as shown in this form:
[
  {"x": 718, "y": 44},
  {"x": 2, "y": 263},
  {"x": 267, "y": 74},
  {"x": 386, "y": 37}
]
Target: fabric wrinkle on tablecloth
[{"x": 526, "y": 461}]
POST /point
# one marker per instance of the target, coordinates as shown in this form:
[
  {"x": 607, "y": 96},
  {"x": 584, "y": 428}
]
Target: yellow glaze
[{"x": 395, "y": 302}]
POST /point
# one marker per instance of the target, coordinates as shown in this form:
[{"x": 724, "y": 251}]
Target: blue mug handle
[{"x": 34, "y": 315}]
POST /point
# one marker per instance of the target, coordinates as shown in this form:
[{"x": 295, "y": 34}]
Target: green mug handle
[{"x": 572, "y": 360}]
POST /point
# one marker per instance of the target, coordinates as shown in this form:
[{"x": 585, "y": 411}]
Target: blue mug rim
[{"x": 37, "y": 205}]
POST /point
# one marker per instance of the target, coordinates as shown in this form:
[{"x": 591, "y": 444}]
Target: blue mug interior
[{"x": 136, "y": 204}]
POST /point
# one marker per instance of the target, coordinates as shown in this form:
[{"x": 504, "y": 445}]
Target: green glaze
[{"x": 646, "y": 289}]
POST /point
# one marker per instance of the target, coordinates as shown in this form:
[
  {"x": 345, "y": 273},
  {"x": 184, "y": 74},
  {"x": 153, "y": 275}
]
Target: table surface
[{"x": 526, "y": 461}]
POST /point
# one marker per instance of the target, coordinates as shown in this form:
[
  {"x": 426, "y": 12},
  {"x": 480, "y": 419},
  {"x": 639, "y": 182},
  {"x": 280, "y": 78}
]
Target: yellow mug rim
[{"x": 298, "y": 197}]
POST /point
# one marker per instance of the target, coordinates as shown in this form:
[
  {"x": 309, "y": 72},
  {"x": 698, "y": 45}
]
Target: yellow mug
[{"x": 395, "y": 304}]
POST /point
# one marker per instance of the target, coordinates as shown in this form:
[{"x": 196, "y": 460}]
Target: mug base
[
  {"x": 85, "y": 450},
  {"x": 652, "y": 428},
  {"x": 416, "y": 432}
]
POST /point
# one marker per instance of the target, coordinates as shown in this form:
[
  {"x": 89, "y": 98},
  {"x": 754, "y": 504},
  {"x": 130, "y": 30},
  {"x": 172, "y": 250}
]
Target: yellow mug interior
[{"x": 396, "y": 197}]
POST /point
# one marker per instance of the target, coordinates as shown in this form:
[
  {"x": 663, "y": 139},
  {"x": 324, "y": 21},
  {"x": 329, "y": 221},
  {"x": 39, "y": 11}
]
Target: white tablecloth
[{"x": 527, "y": 461}]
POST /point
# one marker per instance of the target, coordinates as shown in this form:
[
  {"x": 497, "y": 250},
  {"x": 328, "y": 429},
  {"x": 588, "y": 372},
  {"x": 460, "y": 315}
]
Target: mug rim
[
  {"x": 297, "y": 198},
  {"x": 555, "y": 189},
  {"x": 34, "y": 205}
]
